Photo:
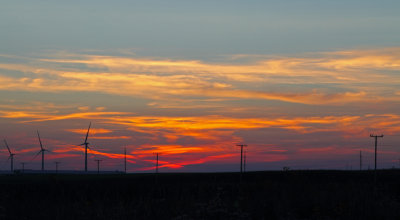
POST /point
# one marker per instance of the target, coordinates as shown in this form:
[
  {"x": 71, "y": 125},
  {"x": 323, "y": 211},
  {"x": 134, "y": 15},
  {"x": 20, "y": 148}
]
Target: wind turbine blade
[
  {"x": 87, "y": 134},
  {"x": 40, "y": 141},
  {"x": 36, "y": 155},
  {"x": 7, "y": 146}
]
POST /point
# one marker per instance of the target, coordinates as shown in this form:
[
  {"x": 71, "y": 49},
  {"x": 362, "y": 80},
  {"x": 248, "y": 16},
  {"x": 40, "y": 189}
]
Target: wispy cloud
[
  {"x": 160, "y": 79},
  {"x": 93, "y": 131},
  {"x": 187, "y": 114}
]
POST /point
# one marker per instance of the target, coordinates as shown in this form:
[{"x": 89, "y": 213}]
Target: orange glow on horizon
[{"x": 196, "y": 111}]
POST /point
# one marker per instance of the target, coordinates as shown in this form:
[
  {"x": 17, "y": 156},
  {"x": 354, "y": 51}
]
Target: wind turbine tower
[
  {"x": 86, "y": 144},
  {"x": 42, "y": 150},
  {"x": 10, "y": 157}
]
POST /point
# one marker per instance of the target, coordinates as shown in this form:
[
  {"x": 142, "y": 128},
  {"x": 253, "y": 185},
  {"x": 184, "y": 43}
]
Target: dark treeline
[{"x": 260, "y": 195}]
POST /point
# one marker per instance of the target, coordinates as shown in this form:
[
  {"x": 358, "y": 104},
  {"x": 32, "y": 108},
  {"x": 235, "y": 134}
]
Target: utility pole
[
  {"x": 241, "y": 156},
  {"x": 125, "y": 160},
  {"x": 376, "y": 144},
  {"x": 399, "y": 162},
  {"x": 156, "y": 162},
  {"x": 98, "y": 165},
  {"x": 244, "y": 162},
  {"x": 23, "y": 167},
  {"x": 57, "y": 166},
  {"x": 360, "y": 161}
]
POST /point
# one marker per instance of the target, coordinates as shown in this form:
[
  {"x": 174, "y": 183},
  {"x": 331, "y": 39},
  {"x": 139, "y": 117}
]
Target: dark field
[{"x": 260, "y": 195}]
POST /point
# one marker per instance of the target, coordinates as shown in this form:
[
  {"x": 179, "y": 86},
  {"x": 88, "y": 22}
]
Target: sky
[{"x": 302, "y": 83}]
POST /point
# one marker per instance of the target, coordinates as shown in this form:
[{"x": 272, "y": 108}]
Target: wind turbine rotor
[
  {"x": 40, "y": 141},
  {"x": 7, "y": 146},
  {"x": 87, "y": 134}
]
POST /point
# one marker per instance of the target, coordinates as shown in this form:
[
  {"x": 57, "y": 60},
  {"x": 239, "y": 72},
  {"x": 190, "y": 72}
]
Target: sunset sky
[{"x": 302, "y": 83}]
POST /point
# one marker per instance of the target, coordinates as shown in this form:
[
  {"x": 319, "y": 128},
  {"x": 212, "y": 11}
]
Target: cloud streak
[
  {"x": 344, "y": 71},
  {"x": 194, "y": 112}
]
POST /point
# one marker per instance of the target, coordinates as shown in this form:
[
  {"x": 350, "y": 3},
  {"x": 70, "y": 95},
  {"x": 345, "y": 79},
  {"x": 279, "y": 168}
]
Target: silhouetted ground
[{"x": 260, "y": 195}]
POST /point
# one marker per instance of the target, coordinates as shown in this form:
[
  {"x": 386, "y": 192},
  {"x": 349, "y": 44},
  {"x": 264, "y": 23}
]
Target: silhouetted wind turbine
[
  {"x": 86, "y": 145},
  {"x": 10, "y": 157},
  {"x": 42, "y": 150}
]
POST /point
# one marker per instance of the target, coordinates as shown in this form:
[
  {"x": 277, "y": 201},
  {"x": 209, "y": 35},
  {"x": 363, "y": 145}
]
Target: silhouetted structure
[
  {"x": 244, "y": 162},
  {"x": 86, "y": 145},
  {"x": 23, "y": 167},
  {"x": 125, "y": 160},
  {"x": 10, "y": 157},
  {"x": 42, "y": 150},
  {"x": 241, "y": 156},
  {"x": 57, "y": 165},
  {"x": 376, "y": 144},
  {"x": 98, "y": 165},
  {"x": 156, "y": 162},
  {"x": 360, "y": 161}
]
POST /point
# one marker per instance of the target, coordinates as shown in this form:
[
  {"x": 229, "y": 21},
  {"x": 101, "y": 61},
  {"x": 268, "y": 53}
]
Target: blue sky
[{"x": 198, "y": 29}]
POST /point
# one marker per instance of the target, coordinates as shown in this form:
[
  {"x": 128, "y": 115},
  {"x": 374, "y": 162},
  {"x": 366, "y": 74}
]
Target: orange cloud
[
  {"x": 187, "y": 161},
  {"x": 215, "y": 135},
  {"x": 207, "y": 127},
  {"x": 352, "y": 73},
  {"x": 110, "y": 137},
  {"x": 171, "y": 149},
  {"x": 93, "y": 131},
  {"x": 316, "y": 149},
  {"x": 92, "y": 151}
]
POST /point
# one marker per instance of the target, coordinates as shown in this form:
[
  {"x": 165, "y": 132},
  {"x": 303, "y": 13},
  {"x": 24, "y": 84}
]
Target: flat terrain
[{"x": 260, "y": 195}]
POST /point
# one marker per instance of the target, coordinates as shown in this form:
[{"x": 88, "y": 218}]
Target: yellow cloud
[
  {"x": 208, "y": 127},
  {"x": 93, "y": 131},
  {"x": 351, "y": 73}
]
